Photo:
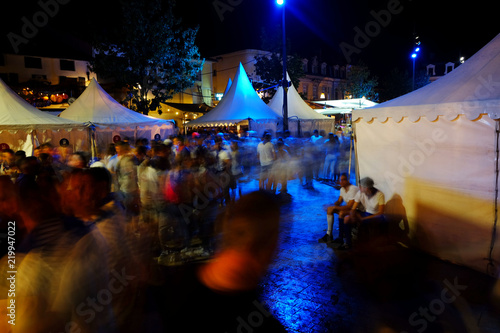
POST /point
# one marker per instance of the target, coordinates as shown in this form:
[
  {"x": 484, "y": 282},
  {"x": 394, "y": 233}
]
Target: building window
[
  {"x": 304, "y": 65},
  {"x": 39, "y": 77},
  {"x": 336, "y": 71},
  {"x": 305, "y": 89},
  {"x": 31, "y": 62},
  {"x": 323, "y": 69},
  {"x": 315, "y": 92},
  {"x": 67, "y": 65},
  {"x": 449, "y": 67},
  {"x": 431, "y": 70}
]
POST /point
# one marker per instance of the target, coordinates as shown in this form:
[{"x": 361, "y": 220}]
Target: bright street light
[
  {"x": 280, "y": 2},
  {"x": 414, "y": 56}
]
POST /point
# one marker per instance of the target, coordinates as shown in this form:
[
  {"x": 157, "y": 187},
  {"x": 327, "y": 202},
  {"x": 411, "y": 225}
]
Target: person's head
[
  {"x": 234, "y": 145},
  {"x": 29, "y": 165},
  {"x": 141, "y": 152},
  {"x": 111, "y": 149},
  {"x": 77, "y": 160},
  {"x": 366, "y": 185},
  {"x": 8, "y": 156},
  {"x": 344, "y": 180},
  {"x": 315, "y": 133},
  {"x": 19, "y": 155},
  {"x": 47, "y": 148},
  {"x": 122, "y": 148},
  {"x": 267, "y": 136}
]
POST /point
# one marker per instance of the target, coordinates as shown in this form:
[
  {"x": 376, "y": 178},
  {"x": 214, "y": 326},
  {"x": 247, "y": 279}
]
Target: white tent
[
  {"x": 96, "y": 108},
  {"x": 434, "y": 153},
  {"x": 240, "y": 104},
  {"x": 302, "y": 118},
  {"x": 23, "y": 126}
]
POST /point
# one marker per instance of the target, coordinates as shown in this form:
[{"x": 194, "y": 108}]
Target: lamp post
[
  {"x": 284, "y": 82},
  {"x": 414, "y": 57}
]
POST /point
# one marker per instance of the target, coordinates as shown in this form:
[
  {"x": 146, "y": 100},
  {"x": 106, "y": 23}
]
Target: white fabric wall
[
  {"x": 21, "y": 140},
  {"x": 440, "y": 175}
]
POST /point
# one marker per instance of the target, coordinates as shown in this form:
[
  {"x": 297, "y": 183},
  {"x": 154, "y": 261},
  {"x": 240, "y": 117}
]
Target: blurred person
[
  {"x": 281, "y": 167},
  {"x": 346, "y": 197},
  {"x": 10, "y": 210},
  {"x": 110, "y": 158},
  {"x": 249, "y": 235},
  {"x": 225, "y": 288},
  {"x": 126, "y": 182},
  {"x": 222, "y": 168},
  {"x": 173, "y": 227},
  {"x": 78, "y": 160},
  {"x": 8, "y": 164},
  {"x": 236, "y": 170},
  {"x": 372, "y": 201},
  {"x": 141, "y": 153},
  {"x": 266, "y": 156},
  {"x": 87, "y": 268},
  {"x": 308, "y": 152},
  {"x": 317, "y": 153},
  {"x": 331, "y": 147}
]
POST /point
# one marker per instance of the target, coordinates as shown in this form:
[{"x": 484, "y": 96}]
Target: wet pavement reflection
[{"x": 377, "y": 287}]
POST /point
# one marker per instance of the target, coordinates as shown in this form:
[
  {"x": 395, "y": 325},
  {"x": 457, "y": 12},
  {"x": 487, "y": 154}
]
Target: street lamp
[
  {"x": 414, "y": 57},
  {"x": 284, "y": 82}
]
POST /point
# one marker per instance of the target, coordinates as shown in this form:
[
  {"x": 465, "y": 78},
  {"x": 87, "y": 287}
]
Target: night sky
[{"x": 447, "y": 29}]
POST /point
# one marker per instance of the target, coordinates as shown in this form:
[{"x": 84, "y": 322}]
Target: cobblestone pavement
[
  {"x": 383, "y": 287},
  {"x": 314, "y": 287}
]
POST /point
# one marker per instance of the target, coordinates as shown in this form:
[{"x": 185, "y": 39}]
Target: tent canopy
[
  {"x": 296, "y": 105},
  {"x": 240, "y": 103},
  {"x": 471, "y": 89},
  {"x": 433, "y": 153},
  {"x": 97, "y": 107},
  {"x": 17, "y": 114}
]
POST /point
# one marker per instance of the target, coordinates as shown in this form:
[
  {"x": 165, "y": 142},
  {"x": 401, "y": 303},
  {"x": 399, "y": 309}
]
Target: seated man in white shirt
[
  {"x": 373, "y": 202},
  {"x": 347, "y": 194}
]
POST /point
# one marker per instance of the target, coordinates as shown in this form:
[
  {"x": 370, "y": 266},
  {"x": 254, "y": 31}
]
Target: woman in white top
[{"x": 373, "y": 202}]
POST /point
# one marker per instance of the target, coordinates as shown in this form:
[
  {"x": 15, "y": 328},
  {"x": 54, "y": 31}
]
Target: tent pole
[
  {"x": 491, "y": 264},
  {"x": 355, "y": 153}
]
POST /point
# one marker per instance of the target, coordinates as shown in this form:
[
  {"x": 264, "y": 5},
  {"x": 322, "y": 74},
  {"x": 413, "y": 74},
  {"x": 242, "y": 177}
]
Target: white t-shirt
[
  {"x": 265, "y": 151},
  {"x": 350, "y": 194},
  {"x": 370, "y": 204}
]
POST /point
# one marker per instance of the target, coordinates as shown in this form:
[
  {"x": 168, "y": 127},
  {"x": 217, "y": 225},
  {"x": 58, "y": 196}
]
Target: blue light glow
[
  {"x": 414, "y": 55},
  {"x": 280, "y": 2}
]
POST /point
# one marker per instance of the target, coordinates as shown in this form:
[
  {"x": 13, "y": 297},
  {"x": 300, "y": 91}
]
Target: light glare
[{"x": 280, "y": 2}]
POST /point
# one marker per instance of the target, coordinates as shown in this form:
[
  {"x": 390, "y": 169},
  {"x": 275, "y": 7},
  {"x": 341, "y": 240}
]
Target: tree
[
  {"x": 359, "y": 83},
  {"x": 148, "y": 52},
  {"x": 398, "y": 83},
  {"x": 270, "y": 67}
]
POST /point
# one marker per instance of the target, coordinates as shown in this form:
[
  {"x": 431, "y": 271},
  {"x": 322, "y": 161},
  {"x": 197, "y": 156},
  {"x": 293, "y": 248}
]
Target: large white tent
[
  {"x": 98, "y": 109},
  {"x": 302, "y": 118},
  {"x": 241, "y": 104},
  {"x": 22, "y": 126},
  {"x": 434, "y": 153}
]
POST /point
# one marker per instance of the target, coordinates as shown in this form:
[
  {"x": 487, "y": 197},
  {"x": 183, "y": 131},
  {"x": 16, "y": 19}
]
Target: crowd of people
[{"x": 84, "y": 226}]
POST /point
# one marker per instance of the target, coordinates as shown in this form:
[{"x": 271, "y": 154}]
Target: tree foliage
[
  {"x": 149, "y": 52},
  {"x": 270, "y": 67},
  {"x": 398, "y": 83},
  {"x": 360, "y": 83}
]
